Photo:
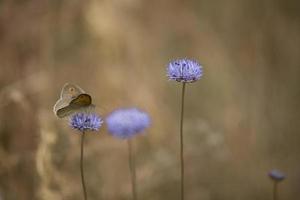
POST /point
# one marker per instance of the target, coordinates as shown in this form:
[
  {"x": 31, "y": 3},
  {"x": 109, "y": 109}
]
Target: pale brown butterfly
[{"x": 72, "y": 99}]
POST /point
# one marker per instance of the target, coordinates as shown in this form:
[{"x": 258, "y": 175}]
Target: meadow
[{"x": 241, "y": 118}]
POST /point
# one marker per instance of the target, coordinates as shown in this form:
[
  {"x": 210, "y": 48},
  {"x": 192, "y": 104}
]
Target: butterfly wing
[
  {"x": 82, "y": 103},
  {"x": 71, "y": 91},
  {"x": 82, "y": 100},
  {"x": 61, "y": 103},
  {"x": 65, "y": 111},
  {"x": 72, "y": 109}
]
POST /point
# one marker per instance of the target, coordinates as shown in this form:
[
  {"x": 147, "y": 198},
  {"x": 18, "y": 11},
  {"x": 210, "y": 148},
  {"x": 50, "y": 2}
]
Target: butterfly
[{"x": 72, "y": 99}]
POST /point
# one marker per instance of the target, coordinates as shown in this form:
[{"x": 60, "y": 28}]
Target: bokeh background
[{"x": 242, "y": 117}]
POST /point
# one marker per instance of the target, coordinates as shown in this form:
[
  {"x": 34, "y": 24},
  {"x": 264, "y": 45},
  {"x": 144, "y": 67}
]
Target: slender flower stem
[
  {"x": 181, "y": 141},
  {"x": 131, "y": 157},
  {"x": 81, "y": 166},
  {"x": 275, "y": 190}
]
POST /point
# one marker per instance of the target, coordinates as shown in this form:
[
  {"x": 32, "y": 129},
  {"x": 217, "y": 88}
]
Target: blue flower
[
  {"x": 184, "y": 70},
  {"x": 127, "y": 122},
  {"x": 86, "y": 122},
  {"x": 276, "y": 175}
]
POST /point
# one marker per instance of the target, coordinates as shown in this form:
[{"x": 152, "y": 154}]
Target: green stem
[
  {"x": 81, "y": 166},
  {"x": 131, "y": 158},
  {"x": 275, "y": 190},
  {"x": 181, "y": 141}
]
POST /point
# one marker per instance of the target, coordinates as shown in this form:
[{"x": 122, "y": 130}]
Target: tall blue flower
[
  {"x": 86, "y": 122},
  {"x": 184, "y": 70},
  {"x": 276, "y": 175},
  {"x": 127, "y": 122}
]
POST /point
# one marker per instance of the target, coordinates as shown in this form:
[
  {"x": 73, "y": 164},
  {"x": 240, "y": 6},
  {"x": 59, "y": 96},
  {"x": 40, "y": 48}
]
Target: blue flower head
[
  {"x": 86, "y": 122},
  {"x": 276, "y": 175},
  {"x": 184, "y": 70},
  {"x": 128, "y": 122}
]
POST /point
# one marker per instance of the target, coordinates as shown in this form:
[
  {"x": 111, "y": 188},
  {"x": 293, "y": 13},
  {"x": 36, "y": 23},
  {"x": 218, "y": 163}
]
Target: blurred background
[{"x": 241, "y": 120}]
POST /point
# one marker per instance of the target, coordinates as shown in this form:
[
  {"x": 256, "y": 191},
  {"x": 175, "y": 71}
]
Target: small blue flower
[
  {"x": 276, "y": 175},
  {"x": 184, "y": 70},
  {"x": 128, "y": 122},
  {"x": 86, "y": 122}
]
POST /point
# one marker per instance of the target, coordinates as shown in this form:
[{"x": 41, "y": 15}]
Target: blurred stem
[
  {"x": 275, "y": 190},
  {"x": 131, "y": 158},
  {"x": 181, "y": 141},
  {"x": 81, "y": 166}
]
